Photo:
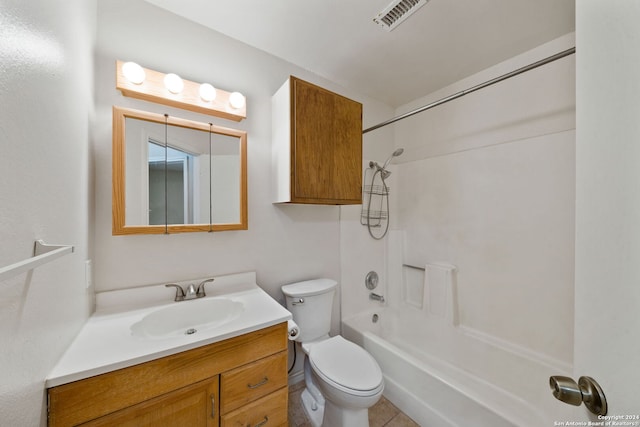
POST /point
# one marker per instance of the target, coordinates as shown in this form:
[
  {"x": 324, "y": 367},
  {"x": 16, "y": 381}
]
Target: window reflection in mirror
[
  {"x": 175, "y": 175},
  {"x": 180, "y": 204}
]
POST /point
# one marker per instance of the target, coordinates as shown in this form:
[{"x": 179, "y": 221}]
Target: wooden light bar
[{"x": 153, "y": 89}]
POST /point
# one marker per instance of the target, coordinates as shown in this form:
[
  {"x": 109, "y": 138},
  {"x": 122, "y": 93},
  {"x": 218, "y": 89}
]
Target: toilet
[{"x": 342, "y": 379}]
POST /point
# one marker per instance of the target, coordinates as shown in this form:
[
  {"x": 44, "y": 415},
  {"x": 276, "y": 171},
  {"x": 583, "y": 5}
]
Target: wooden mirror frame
[{"x": 119, "y": 180}]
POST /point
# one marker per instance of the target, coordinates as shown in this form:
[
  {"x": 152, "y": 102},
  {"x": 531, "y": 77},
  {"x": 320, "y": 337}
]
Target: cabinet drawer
[
  {"x": 252, "y": 381},
  {"x": 193, "y": 406},
  {"x": 268, "y": 411}
]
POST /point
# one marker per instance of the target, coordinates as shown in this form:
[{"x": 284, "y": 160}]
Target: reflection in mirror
[
  {"x": 180, "y": 164},
  {"x": 175, "y": 175},
  {"x": 179, "y": 204}
]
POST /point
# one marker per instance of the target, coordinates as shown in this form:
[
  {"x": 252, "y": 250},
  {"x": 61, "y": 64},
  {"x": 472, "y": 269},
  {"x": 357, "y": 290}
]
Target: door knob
[{"x": 587, "y": 390}]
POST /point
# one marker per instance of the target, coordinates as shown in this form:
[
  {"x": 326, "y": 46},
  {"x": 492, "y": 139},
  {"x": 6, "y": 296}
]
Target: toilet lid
[{"x": 345, "y": 364}]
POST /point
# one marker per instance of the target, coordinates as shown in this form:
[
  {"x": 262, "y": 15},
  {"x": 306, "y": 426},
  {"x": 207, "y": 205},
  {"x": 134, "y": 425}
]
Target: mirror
[{"x": 173, "y": 175}]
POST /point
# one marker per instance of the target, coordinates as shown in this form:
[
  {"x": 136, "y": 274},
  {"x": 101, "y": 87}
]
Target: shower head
[
  {"x": 383, "y": 169},
  {"x": 394, "y": 154}
]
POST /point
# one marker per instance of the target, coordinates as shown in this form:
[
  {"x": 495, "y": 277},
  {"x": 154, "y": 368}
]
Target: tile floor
[{"x": 381, "y": 414}]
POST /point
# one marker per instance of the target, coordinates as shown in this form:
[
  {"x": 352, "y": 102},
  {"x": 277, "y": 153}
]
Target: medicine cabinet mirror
[{"x": 173, "y": 175}]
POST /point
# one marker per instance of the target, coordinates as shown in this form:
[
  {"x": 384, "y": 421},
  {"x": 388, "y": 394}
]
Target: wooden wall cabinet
[
  {"x": 316, "y": 146},
  {"x": 241, "y": 379}
]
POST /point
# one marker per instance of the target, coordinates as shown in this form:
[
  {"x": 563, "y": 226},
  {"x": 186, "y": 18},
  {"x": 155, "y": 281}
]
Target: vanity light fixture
[
  {"x": 173, "y": 83},
  {"x": 133, "y": 72},
  {"x": 169, "y": 89},
  {"x": 207, "y": 92},
  {"x": 236, "y": 100}
]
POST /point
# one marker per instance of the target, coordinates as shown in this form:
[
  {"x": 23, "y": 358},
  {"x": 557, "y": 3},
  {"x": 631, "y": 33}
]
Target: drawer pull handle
[
  {"x": 213, "y": 406},
  {"x": 263, "y": 422},
  {"x": 261, "y": 383}
]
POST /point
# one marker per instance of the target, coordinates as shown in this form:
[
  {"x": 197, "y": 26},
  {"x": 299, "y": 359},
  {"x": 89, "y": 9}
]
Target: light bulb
[
  {"x": 207, "y": 92},
  {"x": 236, "y": 100},
  {"x": 173, "y": 83},
  {"x": 133, "y": 72}
]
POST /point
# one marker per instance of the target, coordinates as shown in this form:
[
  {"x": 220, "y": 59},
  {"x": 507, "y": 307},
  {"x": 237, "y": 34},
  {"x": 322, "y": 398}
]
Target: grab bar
[{"x": 42, "y": 254}]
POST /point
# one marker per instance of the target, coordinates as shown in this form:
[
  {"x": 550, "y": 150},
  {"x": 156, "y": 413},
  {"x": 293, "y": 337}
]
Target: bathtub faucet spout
[{"x": 376, "y": 297}]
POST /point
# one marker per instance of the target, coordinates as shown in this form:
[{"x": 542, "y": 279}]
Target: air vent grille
[{"x": 398, "y": 11}]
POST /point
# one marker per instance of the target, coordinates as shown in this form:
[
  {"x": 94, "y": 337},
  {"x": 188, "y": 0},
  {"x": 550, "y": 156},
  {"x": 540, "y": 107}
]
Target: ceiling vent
[{"x": 399, "y": 10}]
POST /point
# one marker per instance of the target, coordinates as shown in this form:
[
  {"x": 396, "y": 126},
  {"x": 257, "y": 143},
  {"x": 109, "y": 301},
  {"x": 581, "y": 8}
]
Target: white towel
[{"x": 440, "y": 296}]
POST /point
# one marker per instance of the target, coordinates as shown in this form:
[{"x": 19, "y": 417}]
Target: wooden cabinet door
[
  {"x": 326, "y": 146},
  {"x": 194, "y": 406}
]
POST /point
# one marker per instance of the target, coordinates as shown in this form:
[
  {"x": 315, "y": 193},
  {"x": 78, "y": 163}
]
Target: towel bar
[{"x": 42, "y": 254}]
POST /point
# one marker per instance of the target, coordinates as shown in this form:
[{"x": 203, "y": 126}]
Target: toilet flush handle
[{"x": 298, "y": 301}]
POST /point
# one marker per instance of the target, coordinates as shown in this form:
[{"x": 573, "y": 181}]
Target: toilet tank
[{"x": 310, "y": 302}]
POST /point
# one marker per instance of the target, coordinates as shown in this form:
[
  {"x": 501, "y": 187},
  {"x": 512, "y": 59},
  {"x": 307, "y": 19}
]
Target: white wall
[
  {"x": 487, "y": 183},
  {"x": 283, "y": 243},
  {"x": 46, "y": 79}
]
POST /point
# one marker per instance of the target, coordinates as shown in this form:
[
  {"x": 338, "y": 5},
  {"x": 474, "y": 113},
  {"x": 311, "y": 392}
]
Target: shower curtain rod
[{"x": 475, "y": 88}]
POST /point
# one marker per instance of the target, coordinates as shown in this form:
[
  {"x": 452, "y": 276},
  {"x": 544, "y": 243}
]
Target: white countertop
[{"x": 106, "y": 343}]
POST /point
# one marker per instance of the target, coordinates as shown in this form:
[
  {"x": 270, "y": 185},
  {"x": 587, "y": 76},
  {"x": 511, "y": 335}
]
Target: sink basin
[{"x": 187, "y": 318}]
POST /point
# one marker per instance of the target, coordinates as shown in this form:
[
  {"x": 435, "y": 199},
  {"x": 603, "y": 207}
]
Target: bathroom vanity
[{"x": 233, "y": 374}]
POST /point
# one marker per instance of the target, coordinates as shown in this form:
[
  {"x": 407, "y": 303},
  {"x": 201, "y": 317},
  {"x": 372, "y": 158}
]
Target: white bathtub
[{"x": 442, "y": 376}]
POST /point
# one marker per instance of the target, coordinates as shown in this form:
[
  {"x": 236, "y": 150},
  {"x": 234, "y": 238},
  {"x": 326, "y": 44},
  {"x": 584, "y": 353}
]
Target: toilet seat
[{"x": 346, "y": 367}]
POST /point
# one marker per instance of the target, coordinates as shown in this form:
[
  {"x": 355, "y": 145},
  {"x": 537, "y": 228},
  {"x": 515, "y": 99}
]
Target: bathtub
[{"x": 444, "y": 376}]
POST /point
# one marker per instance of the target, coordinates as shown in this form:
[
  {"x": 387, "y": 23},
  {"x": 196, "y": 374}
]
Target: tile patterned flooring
[{"x": 382, "y": 414}]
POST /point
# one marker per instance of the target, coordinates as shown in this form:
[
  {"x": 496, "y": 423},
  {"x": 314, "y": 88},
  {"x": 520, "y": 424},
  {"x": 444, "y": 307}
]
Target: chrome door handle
[{"x": 587, "y": 390}]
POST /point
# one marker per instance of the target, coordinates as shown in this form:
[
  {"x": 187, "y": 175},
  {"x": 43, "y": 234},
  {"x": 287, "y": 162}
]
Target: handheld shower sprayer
[
  {"x": 378, "y": 218},
  {"x": 394, "y": 154}
]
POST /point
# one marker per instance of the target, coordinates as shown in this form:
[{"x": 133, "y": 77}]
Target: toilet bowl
[
  {"x": 342, "y": 379},
  {"x": 349, "y": 379}
]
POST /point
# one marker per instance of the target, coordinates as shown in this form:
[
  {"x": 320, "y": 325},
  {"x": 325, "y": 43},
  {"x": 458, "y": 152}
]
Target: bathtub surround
[
  {"x": 497, "y": 200},
  {"x": 46, "y": 77},
  {"x": 486, "y": 184}
]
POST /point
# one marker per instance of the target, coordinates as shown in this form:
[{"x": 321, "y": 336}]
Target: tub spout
[{"x": 376, "y": 297}]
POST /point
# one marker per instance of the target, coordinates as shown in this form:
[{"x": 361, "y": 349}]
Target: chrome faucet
[
  {"x": 179, "y": 291},
  {"x": 192, "y": 292},
  {"x": 200, "y": 291},
  {"x": 376, "y": 297}
]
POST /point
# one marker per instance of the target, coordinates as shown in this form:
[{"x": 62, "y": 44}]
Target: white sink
[{"x": 187, "y": 318}]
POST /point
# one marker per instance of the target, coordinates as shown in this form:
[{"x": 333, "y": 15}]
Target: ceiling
[{"x": 443, "y": 42}]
